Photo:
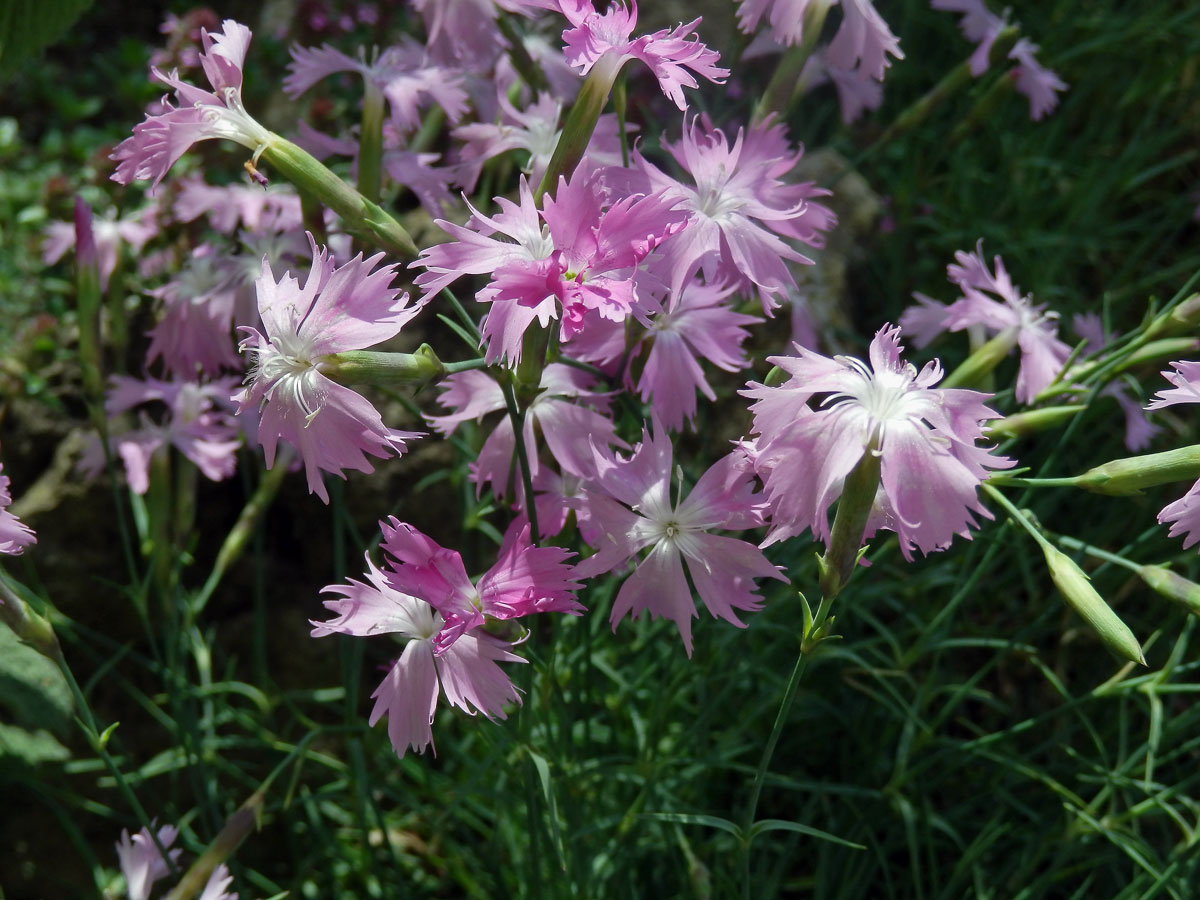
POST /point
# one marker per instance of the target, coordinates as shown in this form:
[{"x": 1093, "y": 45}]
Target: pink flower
[
  {"x": 569, "y": 429},
  {"x": 525, "y": 580},
  {"x": 1035, "y": 331},
  {"x": 407, "y": 79},
  {"x": 193, "y": 422},
  {"x": 582, "y": 260},
  {"x": 606, "y": 39},
  {"x": 629, "y": 507},
  {"x": 346, "y": 307},
  {"x": 15, "y": 535},
  {"x": 739, "y": 190},
  {"x": 202, "y": 115},
  {"x": 466, "y": 672},
  {"x": 862, "y": 42},
  {"x": 141, "y": 862},
  {"x": 218, "y": 881},
  {"x": 466, "y": 30},
  {"x": 108, "y": 234},
  {"x": 1184, "y": 513},
  {"x": 925, "y": 438},
  {"x": 1138, "y": 430},
  {"x": 276, "y": 208},
  {"x": 696, "y": 325}
]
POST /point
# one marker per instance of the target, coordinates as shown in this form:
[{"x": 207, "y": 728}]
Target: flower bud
[
  {"x": 1172, "y": 586},
  {"x": 1132, "y": 474},
  {"x": 1077, "y": 590}
]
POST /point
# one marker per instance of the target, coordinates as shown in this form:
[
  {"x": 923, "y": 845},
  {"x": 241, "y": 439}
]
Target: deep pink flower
[
  {"x": 582, "y": 260},
  {"x": 606, "y": 39},
  {"x": 524, "y": 581},
  {"x": 925, "y": 438},
  {"x": 1034, "y": 329},
  {"x": 630, "y": 508},
  {"x": 202, "y": 115},
  {"x": 739, "y": 208},
  {"x": 348, "y": 307},
  {"x": 466, "y": 671}
]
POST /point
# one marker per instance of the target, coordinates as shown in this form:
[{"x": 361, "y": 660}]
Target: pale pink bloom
[
  {"x": 630, "y": 508},
  {"x": 108, "y": 234},
  {"x": 194, "y": 422},
  {"x": 534, "y": 130},
  {"x": 141, "y": 862},
  {"x": 15, "y": 535},
  {"x": 569, "y": 429},
  {"x": 217, "y": 882},
  {"x": 607, "y": 39},
  {"x": 465, "y": 30},
  {"x": 275, "y": 208},
  {"x": 404, "y": 74},
  {"x": 863, "y": 40},
  {"x": 466, "y": 670},
  {"x": 1041, "y": 85},
  {"x": 696, "y": 325},
  {"x": 856, "y": 90},
  {"x": 348, "y": 307},
  {"x": 202, "y": 115},
  {"x": 525, "y": 580},
  {"x": 1006, "y": 309},
  {"x": 978, "y": 23},
  {"x": 930, "y": 465},
  {"x": 1139, "y": 431},
  {"x": 740, "y": 208},
  {"x": 1184, "y": 513}
]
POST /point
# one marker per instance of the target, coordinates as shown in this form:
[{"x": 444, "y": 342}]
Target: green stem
[
  {"x": 518, "y": 423},
  {"x": 370, "y": 142}
]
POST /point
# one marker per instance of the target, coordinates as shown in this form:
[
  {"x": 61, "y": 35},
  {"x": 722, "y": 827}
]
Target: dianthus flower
[
  {"x": 141, "y": 862},
  {"x": 1184, "y": 513},
  {"x": 108, "y": 234},
  {"x": 570, "y": 430},
  {"x": 408, "y": 694},
  {"x": 978, "y": 23},
  {"x": 524, "y": 581},
  {"x": 739, "y": 190},
  {"x": 606, "y": 39},
  {"x": 202, "y": 115},
  {"x": 862, "y": 42},
  {"x": 697, "y": 324},
  {"x": 1032, "y": 329},
  {"x": 925, "y": 439},
  {"x": 1138, "y": 430},
  {"x": 194, "y": 422},
  {"x": 347, "y": 307},
  {"x": 403, "y": 73},
  {"x": 15, "y": 535},
  {"x": 426, "y": 596},
  {"x": 629, "y": 508},
  {"x": 582, "y": 260}
]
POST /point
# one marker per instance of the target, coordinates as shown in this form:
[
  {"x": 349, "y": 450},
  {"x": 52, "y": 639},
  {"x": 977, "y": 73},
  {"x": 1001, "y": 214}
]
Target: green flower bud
[
  {"x": 1172, "y": 586},
  {"x": 1132, "y": 474},
  {"x": 1077, "y": 590}
]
